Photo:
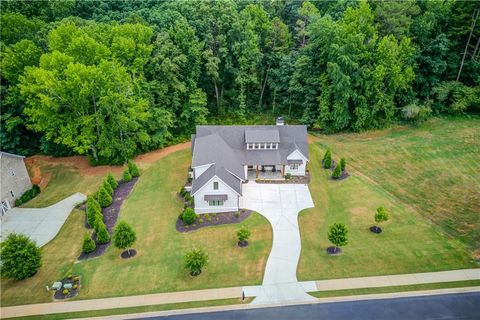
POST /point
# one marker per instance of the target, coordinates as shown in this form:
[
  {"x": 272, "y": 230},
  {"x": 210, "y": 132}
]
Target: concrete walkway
[
  {"x": 236, "y": 292},
  {"x": 280, "y": 204},
  {"x": 40, "y": 224}
]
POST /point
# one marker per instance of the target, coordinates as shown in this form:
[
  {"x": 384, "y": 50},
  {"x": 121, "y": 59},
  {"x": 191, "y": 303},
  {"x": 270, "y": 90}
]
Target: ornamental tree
[
  {"x": 107, "y": 187},
  {"x": 343, "y": 164},
  {"x": 102, "y": 233},
  {"x": 88, "y": 244},
  {"x": 381, "y": 215},
  {"x": 195, "y": 260},
  {"x": 112, "y": 181},
  {"x": 243, "y": 234},
  {"x": 133, "y": 169},
  {"x": 337, "y": 173},
  {"x": 124, "y": 236},
  {"x": 327, "y": 159},
  {"x": 127, "y": 176},
  {"x": 20, "y": 257},
  {"x": 104, "y": 198},
  {"x": 337, "y": 235}
]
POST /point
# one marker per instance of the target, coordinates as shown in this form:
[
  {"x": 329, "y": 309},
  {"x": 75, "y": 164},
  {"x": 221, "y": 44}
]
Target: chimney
[{"x": 280, "y": 121}]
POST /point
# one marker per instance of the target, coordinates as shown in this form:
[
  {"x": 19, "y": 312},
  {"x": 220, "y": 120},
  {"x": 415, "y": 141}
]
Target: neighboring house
[
  {"x": 15, "y": 179},
  {"x": 224, "y": 157}
]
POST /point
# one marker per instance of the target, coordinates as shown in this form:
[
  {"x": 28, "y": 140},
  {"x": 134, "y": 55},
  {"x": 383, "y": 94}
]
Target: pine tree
[
  {"x": 132, "y": 167},
  {"x": 337, "y": 173},
  {"x": 327, "y": 159},
  {"x": 343, "y": 164},
  {"x": 113, "y": 182},
  {"x": 102, "y": 233},
  {"x": 107, "y": 187},
  {"x": 127, "y": 176},
  {"x": 88, "y": 244},
  {"x": 104, "y": 198}
]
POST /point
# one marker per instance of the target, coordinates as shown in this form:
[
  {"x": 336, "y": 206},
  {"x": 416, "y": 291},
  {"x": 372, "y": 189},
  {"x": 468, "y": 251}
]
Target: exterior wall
[
  {"x": 14, "y": 177},
  {"x": 199, "y": 170},
  {"x": 201, "y": 206},
  {"x": 245, "y": 168},
  {"x": 296, "y": 155}
]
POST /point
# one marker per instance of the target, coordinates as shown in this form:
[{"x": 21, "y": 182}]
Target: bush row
[{"x": 28, "y": 195}]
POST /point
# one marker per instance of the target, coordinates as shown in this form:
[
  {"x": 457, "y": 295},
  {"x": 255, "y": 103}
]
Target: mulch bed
[
  {"x": 344, "y": 175},
  {"x": 73, "y": 292},
  {"x": 214, "y": 219},
  {"x": 293, "y": 180},
  {"x": 242, "y": 244},
  {"x": 334, "y": 251},
  {"x": 128, "y": 254},
  {"x": 376, "y": 229},
  {"x": 110, "y": 216}
]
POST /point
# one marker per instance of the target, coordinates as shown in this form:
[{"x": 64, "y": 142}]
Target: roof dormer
[{"x": 262, "y": 139}]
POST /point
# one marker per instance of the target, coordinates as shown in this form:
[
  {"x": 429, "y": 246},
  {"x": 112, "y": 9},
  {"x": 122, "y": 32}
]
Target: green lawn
[
  {"x": 434, "y": 167},
  {"x": 409, "y": 243}
]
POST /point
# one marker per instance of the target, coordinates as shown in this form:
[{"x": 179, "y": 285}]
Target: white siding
[
  {"x": 199, "y": 170},
  {"x": 296, "y": 155},
  {"x": 201, "y": 206}
]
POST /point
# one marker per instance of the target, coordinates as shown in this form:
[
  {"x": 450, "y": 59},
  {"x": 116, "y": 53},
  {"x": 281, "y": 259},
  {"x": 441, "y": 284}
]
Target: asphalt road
[{"x": 465, "y": 306}]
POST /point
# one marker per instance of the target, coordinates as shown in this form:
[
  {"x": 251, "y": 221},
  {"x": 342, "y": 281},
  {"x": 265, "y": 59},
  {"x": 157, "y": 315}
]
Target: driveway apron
[{"x": 280, "y": 204}]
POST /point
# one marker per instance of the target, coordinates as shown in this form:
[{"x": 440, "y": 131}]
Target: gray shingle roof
[
  {"x": 262, "y": 136},
  {"x": 225, "y": 147}
]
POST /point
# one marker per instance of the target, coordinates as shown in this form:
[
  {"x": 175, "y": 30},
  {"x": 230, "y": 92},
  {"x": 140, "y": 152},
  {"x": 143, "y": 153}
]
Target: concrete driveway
[
  {"x": 280, "y": 204},
  {"x": 40, "y": 224}
]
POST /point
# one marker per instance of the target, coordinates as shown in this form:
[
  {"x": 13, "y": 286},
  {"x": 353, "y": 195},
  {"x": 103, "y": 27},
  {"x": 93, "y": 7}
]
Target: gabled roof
[
  {"x": 262, "y": 136},
  {"x": 222, "y": 174}
]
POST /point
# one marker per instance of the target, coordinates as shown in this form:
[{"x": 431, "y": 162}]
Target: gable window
[
  {"x": 215, "y": 185},
  {"x": 294, "y": 166},
  {"x": 215, "y": 203}
]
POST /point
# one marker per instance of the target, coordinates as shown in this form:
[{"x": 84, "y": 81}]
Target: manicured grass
[
  {"x": 409, "y": 243},
  {"x": 119, "y": 311},
  {"x": 57, "y": 256},
  {"x": 152, "y": 209},
  {"x": 427, "y": 286},
  {"x": 434, "y": 167}
]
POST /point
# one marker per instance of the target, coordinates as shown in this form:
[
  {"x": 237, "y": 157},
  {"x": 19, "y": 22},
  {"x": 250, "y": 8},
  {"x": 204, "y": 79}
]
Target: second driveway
[{"x": 280, "y": 204}]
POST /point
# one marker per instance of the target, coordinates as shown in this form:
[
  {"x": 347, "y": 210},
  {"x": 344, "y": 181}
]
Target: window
[
  {"x": 262, "y": 145},
  {"x": 215, "y": 203},
  {"x": 294, "y": 166},
  {"x": 215, "y": 185},
  {"x": 257, "y": 145},
  {"x": 12, "y": 173},
  {"x": 13, "y": 195},
  {"x": 268, "y": 146}
]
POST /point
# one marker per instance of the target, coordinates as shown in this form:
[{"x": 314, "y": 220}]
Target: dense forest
[{"x": 111, "y": 79}]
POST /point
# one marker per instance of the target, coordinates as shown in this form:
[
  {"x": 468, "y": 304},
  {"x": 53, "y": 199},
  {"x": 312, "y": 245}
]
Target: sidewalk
[{"x": 235, "y": 292}]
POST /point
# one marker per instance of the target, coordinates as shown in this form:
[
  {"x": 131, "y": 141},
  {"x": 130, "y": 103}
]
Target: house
[
  {"x": 225, "y": 157},
  {"x": 14, "y": 179}
]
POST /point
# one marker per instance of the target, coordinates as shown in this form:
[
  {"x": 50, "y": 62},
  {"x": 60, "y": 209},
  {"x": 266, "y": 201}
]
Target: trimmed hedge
[{"x": 28, "y": 195}]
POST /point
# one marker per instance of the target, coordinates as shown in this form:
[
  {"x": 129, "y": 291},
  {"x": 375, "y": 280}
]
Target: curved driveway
[{"x": 280, "y": 204}]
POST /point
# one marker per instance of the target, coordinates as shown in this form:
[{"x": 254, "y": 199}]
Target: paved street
[{"x": 463, "y": 306}]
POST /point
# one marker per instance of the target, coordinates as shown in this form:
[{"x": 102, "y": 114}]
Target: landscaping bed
[
  {"x": 293, "y": 180},
  {"x": 213, "y": 219},
  {"x": 344, "y": 175},
  {"x": 74, "y": 282},
  {"x": 110, "y": 216}
]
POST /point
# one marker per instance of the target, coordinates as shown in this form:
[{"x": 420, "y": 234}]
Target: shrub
[
  {"x": 187, "y": 197},
  {"x": 183, "y": 192},
  {"x": 327, "y": 159},
  {"x": 75, "y": 286},
  {"x": 107, "y": 187},
  {"x": 288, "y": 176},
  {"x": 237, "y": 214},
  {"x": 124, "y": 236},
  {"x": 243, "y": 234},
  {"x": 343, "y": 164},
  {"x": 104, "y": 198},
  {"x": 112, "y": 181},
  {"x": 381, "y": 215},
  {"x": 65, "y": 292},
  {"x": 93, "y": 211},
  {"x": 20, "y": 257},
  {"x": 88, "y": 244},
  {"x": 195, "y": 261},
  {"x": 76, "y": 279},
  {"x": 70, "y": 276},
  {"x": 189, "y": 216},
  {"x": 28, "y": 195},
  {"x": 102, "y": 233},
  {"x": 127, "y": 176},
  {"x": 337, "y": 173},
  {"x": 337, "y": 234},
  {"x": 132, "y": 167}
]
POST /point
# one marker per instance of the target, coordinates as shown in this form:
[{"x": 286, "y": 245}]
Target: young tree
[
  {"x": 189, "y": 216},
  {"x": 337, "y": 173},
  {"x": 343, "y": 164},
  {"x": 327, "y": 159},
  {"x": 126, "y": 175},
  {"x": 243, "y": 234},
  {"x": 124, "y": 236},
  {"x": 102, "y": 233},
  {"x": 111, "y": 179},
  {"x": 381, "y": 215},
  {"x": 133, "y": 169},
  {"x": 337, "y": 235},
  {"x": 104, "y": 198},
  {"x": 88, "y": 244},
  {"x": 20, "y": 256},
  {"x": 93, "y": 211},
  {"x": 195, "y": 260},
  {"x": 107, "y": 187}
]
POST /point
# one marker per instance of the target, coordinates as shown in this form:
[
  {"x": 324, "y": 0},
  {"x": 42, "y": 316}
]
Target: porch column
[
  {"x": 256, "y": 171},
  {"x": 283, "y": 171}
]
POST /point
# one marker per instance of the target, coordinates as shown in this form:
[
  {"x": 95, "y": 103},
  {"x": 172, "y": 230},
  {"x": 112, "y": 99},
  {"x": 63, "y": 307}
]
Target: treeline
[{"x": 111, "y": 79}]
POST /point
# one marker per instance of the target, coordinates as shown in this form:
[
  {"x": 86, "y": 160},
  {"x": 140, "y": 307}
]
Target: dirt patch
[
  {"x": 344, "y": 176},
  {"x": 153, "y": 156},
  {"x": 110, "y": 216},
  {"x": 213, "y": 219},
  {"x": 36, "y": 175}
]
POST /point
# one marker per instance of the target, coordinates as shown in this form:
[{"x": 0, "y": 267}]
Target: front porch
[{"x": 267, "y": 172}]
